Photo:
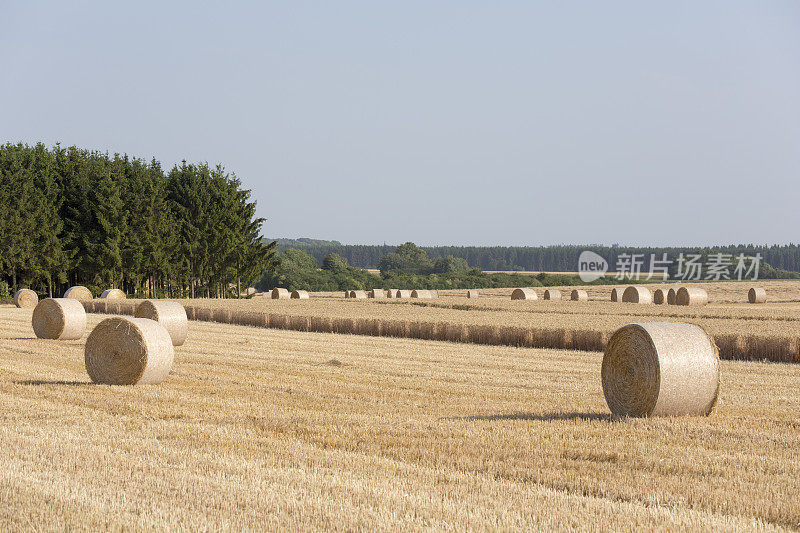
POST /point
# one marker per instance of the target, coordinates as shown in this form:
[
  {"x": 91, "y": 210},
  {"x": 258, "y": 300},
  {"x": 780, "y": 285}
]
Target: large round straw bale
[
  {"x": 300, "y": 295},
  {"x": 129, "y": 351},
  {"x": 391, "y": 293},
  {"x": 377, "y": 293},
  {"x": 421, "y": 293},
  {"x": 472, "y": 293},
  {"x": 171, "y": 315},
  {"x": 280, "y": 294},
  {"x": 660, "y": 369},
  {"x": 524, "y": 294},
  {"x": 672, "y": 296},
  {"x": 26, "y": 298},
  {"x": 403, "y": 294},
  {"x": 579, "y": 295},
  {"x": 616, "y": 294},
  {"x": 59, "y": 318},
  {"x": 358, "y": 294},
  {"x": 552, "y": 294},
  {"x": 113, "y": 294},
  {"x": 637, "y": 295},
  {"x": 347, "y": 294},
  {"x": 79, "y": 292},
  {"x": 434, "y": 294},
  {"x": 691, "y": 296},
  {"x": 756, "y": 295},
  {"x": 660, "y": 296}
]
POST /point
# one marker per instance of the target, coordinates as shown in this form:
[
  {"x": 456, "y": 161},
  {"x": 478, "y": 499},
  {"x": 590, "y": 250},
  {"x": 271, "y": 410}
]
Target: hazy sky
[{"x": 453, "y": 122}]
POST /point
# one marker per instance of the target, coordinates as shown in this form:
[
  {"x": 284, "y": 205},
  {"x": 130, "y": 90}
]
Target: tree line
[
  {"x": 556, "y": 258},
  {"x": 71, "y": 216}
]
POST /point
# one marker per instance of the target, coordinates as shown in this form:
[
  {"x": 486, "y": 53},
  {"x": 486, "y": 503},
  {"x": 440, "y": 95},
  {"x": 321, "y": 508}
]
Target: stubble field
[{"x": 264, "y": 428}]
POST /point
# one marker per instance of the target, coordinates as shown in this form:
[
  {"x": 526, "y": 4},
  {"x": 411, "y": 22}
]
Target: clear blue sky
[{"x": 457, "y": 122}]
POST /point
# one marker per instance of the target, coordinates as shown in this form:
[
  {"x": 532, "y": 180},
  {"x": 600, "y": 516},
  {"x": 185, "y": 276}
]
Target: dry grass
[{"x": 265, "y": 429}]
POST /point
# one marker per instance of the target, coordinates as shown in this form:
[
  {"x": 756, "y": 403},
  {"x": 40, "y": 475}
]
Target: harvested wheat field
[{"x": 266, "y": 428}]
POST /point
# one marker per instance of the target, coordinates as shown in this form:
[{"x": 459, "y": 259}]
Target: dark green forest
[
  {"x": 555, "y": 258},
  {"x": 72, "y": 216}
]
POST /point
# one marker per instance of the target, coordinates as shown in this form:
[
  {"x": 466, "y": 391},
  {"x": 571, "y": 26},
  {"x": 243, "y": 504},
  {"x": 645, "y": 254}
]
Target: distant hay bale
[
  {"x": 660, "y": 369},
  {"x": 129, "y": 351},
  {"x": 300, "y": 295},
  {"x": 434, "y": 294},
  {"x": 757, "y": 295},
  {"x": 280, "y": 294},
  {"x": 637, "y": 295},
  {"x": 579, "y": 295},
  {"x": 524, "y": 294},
  {"x": 113, "y": 294},
  {"x": 421, "y": 293},
  {"x": 377, "y": 293},
  {"x": 691, "y": 296},
  {"x": 171, "y": 315},
  {"x": 403, "y": 294},
  {"x": 552, "y": 294},
  {"x": 26, "y": 298},
  {"x": 672, "y": 296},
  {"x": 473, "y": 293},
  {"x": 360, "y": 295},
  {"x": 391, "y": 293},
  {"x": 660, "y": 296},
  {"x": 79, "y": 292},
  {"x": 59, "y": 318},
  {"x": 616, "y": 294}
]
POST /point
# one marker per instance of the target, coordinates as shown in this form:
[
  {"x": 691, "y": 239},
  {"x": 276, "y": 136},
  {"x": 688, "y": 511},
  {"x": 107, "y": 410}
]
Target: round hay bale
[
  {"x": 579, "y": 295},
  {"x": 300, "y": 295},
  {"x": 616, "y": 294},
  {"x": 171, "y": 315},
  {"x": 756, "y": 295},
  {"x": 129, "y": 351},
  {"x": 347, "y": 294},
  {"x": 113, "y": 294},
  {"x": 403, "y": 294},
  {"x": 391, "y": 293},
  {"x": 434, "y": 294},
  {"x": 360, "y": 295},
  {"x": 524, "y": 294},
  {"x": 26, "y": 298},
  {"x": 660, "y": 369},
  {"x": 59, "y": 318},
  {"x": 473, "y": 293},
  {"x": 552, "y": 294},
  {"x": 377, "y": 293},
  {"x": 691, "y": 296},
  {"x": 660, "y": 296},
  {"x": 421, "y": 293},
  {"x": 280, "y": 294},
  {"x": 79, "y": 292},
  {"x": 672, "y": 296},
  {"x": 637, "y": 295}
]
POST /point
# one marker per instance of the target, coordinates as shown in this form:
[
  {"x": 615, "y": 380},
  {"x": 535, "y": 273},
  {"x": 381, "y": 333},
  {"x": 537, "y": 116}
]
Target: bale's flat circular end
[
  {"x": 113, "y": 294},
  {"x": 26, "y": 298},
  {"x": 171, "y": 315},
  {"x": 672, "y": 296},
  {"x": 79, "y": 292},
  {"x": 616, "y": 294},
  {"x": 128, "y": 351},
  {"x": 661, "y": 369},
  {"x": 630, "y": 372},
  {"x": 59, "y": 318}
]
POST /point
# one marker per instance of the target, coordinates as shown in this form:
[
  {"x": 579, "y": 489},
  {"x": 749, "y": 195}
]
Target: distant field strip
[{"x": 533, "y": 325}]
